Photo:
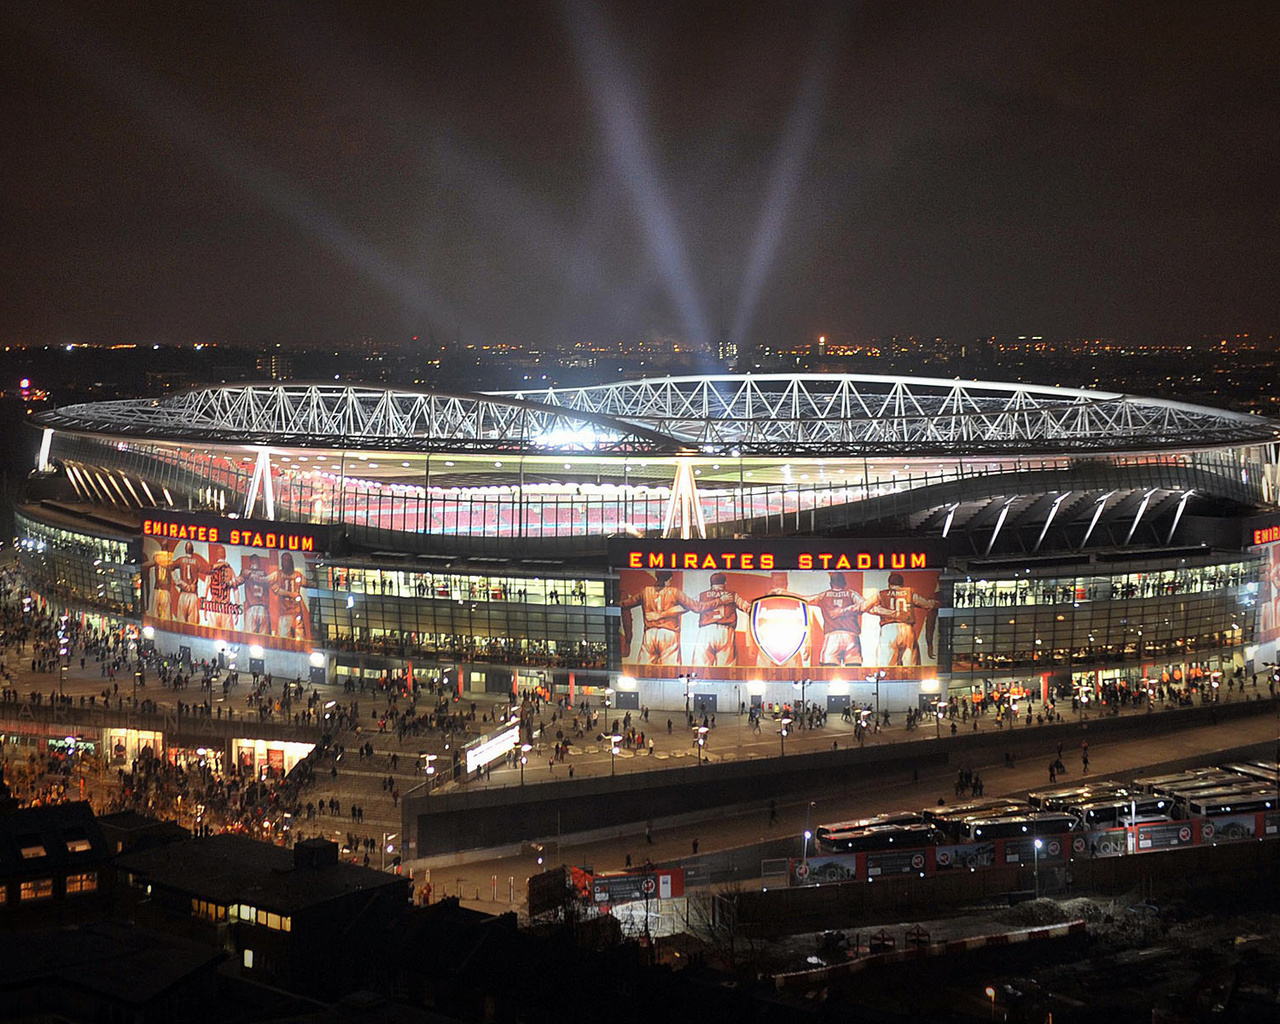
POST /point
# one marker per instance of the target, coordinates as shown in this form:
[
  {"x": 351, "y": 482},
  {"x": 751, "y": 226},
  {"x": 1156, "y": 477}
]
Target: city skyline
[{"x": 570, "y": 172}]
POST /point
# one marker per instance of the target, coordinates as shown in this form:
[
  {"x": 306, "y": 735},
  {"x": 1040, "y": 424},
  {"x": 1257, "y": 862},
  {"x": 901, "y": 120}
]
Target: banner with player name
[
  {"x": 237, "y": 580},
  {"x": 792, "y": 609}
]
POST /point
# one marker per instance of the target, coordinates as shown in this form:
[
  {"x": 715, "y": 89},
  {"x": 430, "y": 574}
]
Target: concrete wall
[{"x": 462, "y": 819}]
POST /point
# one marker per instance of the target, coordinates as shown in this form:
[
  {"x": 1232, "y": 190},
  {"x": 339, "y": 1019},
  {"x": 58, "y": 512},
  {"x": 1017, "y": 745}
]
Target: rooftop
[{"x": 230, "y": 868}]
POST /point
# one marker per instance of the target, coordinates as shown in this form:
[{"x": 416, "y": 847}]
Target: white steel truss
[
  {"x": 851, "y": 414},
  {"x": 351, "y": 416},
  {"x": 789, "y": 415}
]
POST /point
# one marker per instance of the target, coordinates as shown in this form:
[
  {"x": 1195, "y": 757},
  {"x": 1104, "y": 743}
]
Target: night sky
[{"x": 544, "y": 173}]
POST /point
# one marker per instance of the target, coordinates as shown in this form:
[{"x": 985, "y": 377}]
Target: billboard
[
  {"x": 235, "y": 580},
  {"x": 787, "y": 610}
]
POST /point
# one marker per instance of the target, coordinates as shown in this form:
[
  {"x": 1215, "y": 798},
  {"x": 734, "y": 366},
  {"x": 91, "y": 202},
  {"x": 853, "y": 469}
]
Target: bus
[
  {"x": 827, "y": 838},
  {"x": 1117, "y": 813},
  {"x": 1240, "y": 801},
  {"x": 1263, "y": 771},
  {"x": 950, "y": 821},
  {"x": 1162, "y": 783},
  {"x": 883, "y": 837},
  {"x": 1046, "y": 823},
  {"x": 1058, "y": 799}
]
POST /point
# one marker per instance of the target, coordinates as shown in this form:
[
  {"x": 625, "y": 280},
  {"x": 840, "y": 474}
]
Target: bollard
[
  {"x": 511, "y": 888},
  {"x": 493, "y": 888}
]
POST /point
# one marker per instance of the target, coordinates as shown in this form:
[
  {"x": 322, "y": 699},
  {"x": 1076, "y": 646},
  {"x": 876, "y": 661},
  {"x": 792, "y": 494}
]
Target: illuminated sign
[
  {"x": 235, "y": 581},
  {"x": 269, "y": 537},
  {"x": 490, "y": 748},
  {"x": 1266, "y": 535},
  {"x": 767, "y": 560},
  {"x": 795, "y": 608}
]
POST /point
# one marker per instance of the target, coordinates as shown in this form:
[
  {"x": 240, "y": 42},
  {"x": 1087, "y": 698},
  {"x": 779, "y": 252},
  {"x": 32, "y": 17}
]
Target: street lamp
[
  {"x": 702, "y": 740},
  {"x": 879, "y": 674},
  {"x": 1037, "y": 846},
  {"x": 937, "y": 717},
  {"x": 991, "y": 994},
  {"x": 524, "y": 759},
  {"x": 807, "y": 834},
  {"x": 386, "y": 849},
  {"x": 614, "y": 740},
  {"x": 782, "y": 736}
]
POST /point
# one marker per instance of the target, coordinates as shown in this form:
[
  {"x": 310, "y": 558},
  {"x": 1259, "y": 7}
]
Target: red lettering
[
  {"x": 747, "y": 561},
  {"x": 709, "y": 562},
  {"x": 728, "y": 557},
  {"x": 864, "y": 561},
  {"x": 766, "y": 561},
  {"x": 635, "y": 560},
  {"x": 917, "y": 560},
  {"x": 897, "y": 560},
  {"x": 691, "y": 560},
  {"x": 308, "y": 543},
  {"x": 804, "y": 562},
  {"x": 656, "y": 561}
]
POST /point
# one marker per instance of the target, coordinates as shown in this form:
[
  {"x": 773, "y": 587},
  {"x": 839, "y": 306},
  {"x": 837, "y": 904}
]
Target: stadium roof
[{"x": 792, "y": 415}]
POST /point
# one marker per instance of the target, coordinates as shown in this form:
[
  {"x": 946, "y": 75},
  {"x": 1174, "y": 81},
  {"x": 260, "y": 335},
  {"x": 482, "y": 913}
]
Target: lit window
[
  {"x": 86, "y": 881},
  {"x": 40, "y": 889},
  {"x": 248, "y": 958},
  {"x": 31, "y": 847},
  {"x": 79, "y": 845}
]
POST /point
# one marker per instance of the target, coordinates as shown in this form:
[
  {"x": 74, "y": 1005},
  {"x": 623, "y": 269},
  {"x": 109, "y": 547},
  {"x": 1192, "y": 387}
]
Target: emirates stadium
[{"x": 729, "y": 540}]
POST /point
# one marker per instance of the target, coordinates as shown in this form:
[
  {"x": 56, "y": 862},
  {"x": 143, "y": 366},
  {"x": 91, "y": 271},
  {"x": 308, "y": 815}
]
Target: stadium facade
[{"x": 722, "y": 540}]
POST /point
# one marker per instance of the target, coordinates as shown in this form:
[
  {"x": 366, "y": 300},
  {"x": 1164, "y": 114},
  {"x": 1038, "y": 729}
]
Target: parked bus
[
  {"x": 951, "y": 822},
  {"x": 1190, "y": 778},
  {"x": 1058, "y": 799},
  {"x": 1018, "y": 826},
  {"x": 1112, "y": 813},
  {"x": 883, "y": 837},
  {"x": 828, "y": 837},
  {"x": 1263, "y": 771},
  {"x": 1241, "y": 801}
]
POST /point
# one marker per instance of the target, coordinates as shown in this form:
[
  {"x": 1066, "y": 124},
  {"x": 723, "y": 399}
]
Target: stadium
[{"x": 720, "y": 540}]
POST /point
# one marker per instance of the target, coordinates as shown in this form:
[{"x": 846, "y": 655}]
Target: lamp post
[
  {"x": 991, "y": 994},
  {"x": 386, "y": 838},
  {"x": 804, "y": 853},
  {"x": 614, "y": 740},
  {"x": 702, "y": 741},
  {"x": 782, "y": 736},
  {"x": 937, "y": 717},
  {"x": 1036, "y": 847},
  {"x": 524, "y": 759},
  {"x": 879, "y": 674}
]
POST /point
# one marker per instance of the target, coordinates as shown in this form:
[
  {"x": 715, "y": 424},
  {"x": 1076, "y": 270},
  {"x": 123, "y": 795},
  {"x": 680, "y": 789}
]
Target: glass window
[
  {"x": 39, "y": 889},
  {"x": 85, "y": 881}
]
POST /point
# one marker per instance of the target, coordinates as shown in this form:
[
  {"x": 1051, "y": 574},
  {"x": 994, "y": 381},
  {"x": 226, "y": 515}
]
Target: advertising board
[
  {"x": 794, "y": 609},
  {"x": 234, "y": 580}
]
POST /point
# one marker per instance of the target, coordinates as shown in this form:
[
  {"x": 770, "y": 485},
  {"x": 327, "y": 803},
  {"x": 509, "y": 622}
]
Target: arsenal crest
[{"x": 780, "y": 626}]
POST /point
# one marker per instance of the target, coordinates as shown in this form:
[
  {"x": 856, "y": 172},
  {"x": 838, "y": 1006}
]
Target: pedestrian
[
  {"x": 695, "y": 847},
  {"x": 648, "y": 833},
  {"x": 773, "y": 812},
  {"x": 1053, "y": 774},
  {"x": 1084, "y": 760},
  {"x": 628, "y": 860}
]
